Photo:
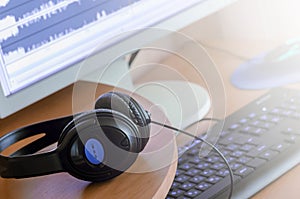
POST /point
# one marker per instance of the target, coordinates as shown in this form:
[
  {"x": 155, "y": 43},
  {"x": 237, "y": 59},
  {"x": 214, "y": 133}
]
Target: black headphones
[{"x": 93, "y": 146}]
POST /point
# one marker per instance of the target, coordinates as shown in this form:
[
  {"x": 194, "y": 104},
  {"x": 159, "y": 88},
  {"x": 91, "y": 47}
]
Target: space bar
[{"x": 218, "y": 188}]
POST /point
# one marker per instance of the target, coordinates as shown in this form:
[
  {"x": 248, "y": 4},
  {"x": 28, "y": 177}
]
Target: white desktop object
[
  {"x": 183, "y": 102},
  {"x": 163, "y": 15}
]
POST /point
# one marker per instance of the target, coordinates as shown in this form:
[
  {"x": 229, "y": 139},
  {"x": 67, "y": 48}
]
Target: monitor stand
[{"x": 184, "y": 103}]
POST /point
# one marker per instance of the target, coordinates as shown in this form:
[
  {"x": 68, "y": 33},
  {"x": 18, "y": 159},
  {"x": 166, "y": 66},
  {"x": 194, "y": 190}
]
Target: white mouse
[{"x": 278, "y": 67}]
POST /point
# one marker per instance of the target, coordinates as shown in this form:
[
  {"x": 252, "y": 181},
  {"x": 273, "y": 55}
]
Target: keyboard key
[
  {"x": 291, "y": 139},
  {"x": 271, "y": 118},
  {"x": 231, "y": 159},
  {"x": 268, "y": 155},
  {"x": 175, "y": 185},
  {"x": 196, "y": 160},
  {"x": 243, "y": 121},
  {"x": 252, "y": 115},
  {"x": 193, "y": 152},
  {"x": 288, "y": 131},
  {"x": 258, "y": 150},
  {"x": 276, "y": 111},
  {"x": 253, "y": 140},
  {"x": 235, "y": 166},
  {"x": 208, "y": 172},
  {"x": 185, "y": 166},
  {"x": 247, "y": 147},
  {"x": 244, "y": 159},
  {"x": 227, "y": 140},
  {"x": 247, "y": 139},
  {"x": 182, "y": 178},
  {"x": 192, "y": 193},
  {"x": 232, "y": 147},
  {"x": 222, "y": 172},
  {"x": 256, "y": 162},
  {"x": 197, "y": 179},
  {"x": 179, "y": 172},
  {"x": 233, "y": 127},
  {"x": 176, "y": 193},
  {"x": 218, "y": 166},
  {"x": 203, "y": 165},
  {"x": 238, "y": 153},
  {"x": 226, "y": 153},
  {"x": 182, "y": 159},
  {"x": 192, "y": 172},
  {"x": 244, "y": 171},
  {"x": 253, "y": 130},
  {"x": 280, "y": 147},
  {"x": 260, "y": 124},
  {"x": 203, "y": 186},
  {"x": 213, "y": 179},
  {"x": 187, "y": 186}
]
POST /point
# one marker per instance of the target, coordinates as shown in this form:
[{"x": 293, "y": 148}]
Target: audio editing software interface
[
  {"x": 41, "y": 37},
  {"x": 38, "y": 37}
]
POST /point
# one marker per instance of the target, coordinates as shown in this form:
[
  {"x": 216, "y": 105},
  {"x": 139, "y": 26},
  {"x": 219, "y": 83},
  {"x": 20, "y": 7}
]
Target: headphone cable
[{"x": 209, "y": 144}]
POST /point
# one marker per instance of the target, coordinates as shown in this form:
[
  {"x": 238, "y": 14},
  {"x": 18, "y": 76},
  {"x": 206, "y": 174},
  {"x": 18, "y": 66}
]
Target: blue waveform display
[{"x": 35, "y": 23}]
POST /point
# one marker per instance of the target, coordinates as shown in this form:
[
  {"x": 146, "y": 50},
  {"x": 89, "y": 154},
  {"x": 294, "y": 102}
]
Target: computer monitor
[{"x": 43, "y": 42}]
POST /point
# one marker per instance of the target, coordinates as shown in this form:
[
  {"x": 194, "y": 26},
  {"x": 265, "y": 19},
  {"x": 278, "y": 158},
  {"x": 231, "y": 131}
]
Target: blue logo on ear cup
[{"x": 94, "y": 151}]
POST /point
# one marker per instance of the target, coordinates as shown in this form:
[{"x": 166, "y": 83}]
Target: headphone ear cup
[
  {"x": 126, "y": 105},
  {"x": 108, "y": 130}
]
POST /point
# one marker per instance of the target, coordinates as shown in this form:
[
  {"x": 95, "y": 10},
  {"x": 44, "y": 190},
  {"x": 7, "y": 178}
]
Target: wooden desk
[{"x": 147, "y": 182}]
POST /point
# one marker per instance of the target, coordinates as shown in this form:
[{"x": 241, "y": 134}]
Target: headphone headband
[{"x": 20, "y": 163}]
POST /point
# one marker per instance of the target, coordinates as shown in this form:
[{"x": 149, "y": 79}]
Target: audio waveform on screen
[
  {"x": 35, "y": 16},
  {"x": 28, "y": 25}
]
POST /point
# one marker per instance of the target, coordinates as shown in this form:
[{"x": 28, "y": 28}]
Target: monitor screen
[{"x": 44, "y": 39}]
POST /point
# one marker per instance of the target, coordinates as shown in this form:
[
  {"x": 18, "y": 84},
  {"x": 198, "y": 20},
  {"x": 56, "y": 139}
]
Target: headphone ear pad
[{"x": 126, "y": 105}]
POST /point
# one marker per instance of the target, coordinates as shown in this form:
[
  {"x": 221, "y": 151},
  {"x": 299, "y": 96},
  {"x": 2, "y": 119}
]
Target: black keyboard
[{"x": 260, "y": 141}]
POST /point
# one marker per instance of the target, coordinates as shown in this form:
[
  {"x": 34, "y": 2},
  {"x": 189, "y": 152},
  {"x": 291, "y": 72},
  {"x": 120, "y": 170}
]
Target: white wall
[
  {"x": 275, "y": 20},
  {"x": 245, "y": 28}
]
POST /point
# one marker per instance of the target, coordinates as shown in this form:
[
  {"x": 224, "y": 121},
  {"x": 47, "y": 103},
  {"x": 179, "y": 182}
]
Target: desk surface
[{"x": 137, "y": 183}]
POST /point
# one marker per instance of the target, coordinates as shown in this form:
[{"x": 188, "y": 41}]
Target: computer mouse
[{"x": 277, "y": 67}]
